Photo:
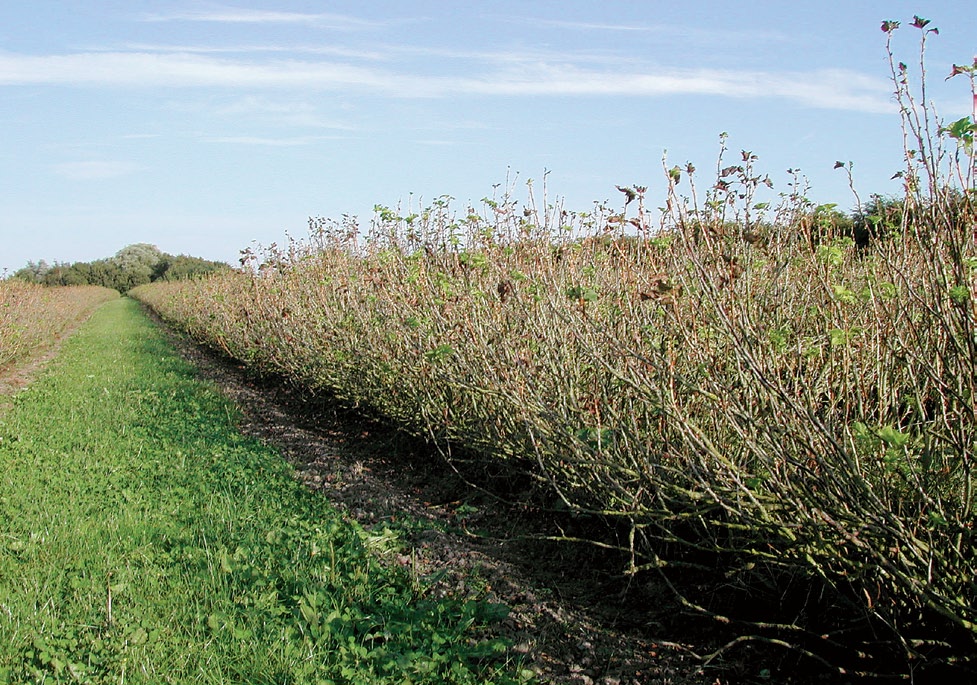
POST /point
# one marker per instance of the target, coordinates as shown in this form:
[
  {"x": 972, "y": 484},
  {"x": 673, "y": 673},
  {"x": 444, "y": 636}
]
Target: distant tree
[
  {"x": 81, "y": 272},
  {"x": 56, "y": 275},
  {"x": 34, "y": 272},
  {"x": 162, "y": 266},
  {"x": 879, "y": 217},
  {"x": 183, "y": 267},
  {"x": 106, "y": 273},
  {"x": 73, "y": 276},
  {"x": 884, "y": 216},
  {"x": 137, "y": 262},
  {"x": 825, "y": 223},
  {"x": 138, "y": 254},
  {"x": 133, "y": 265}
]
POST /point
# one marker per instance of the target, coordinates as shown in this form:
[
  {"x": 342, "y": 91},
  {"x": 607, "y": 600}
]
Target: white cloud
[
  {"x": 822, "y": 89},
  {"x": 297, "y": 141},
  {"x": 507, "y": 75},
  {"x": 332, "y": 50},
  {"x": 593, "y": 26},
  {"x": 234, "y": 15},
  {"x": 178, "y": 70},
  {"x": 669, "y": 32},
  {"x": 436, "y": 142},
  {"x": 291, "y": 112},
  {"x": 674, "y": 38},
  {"x": 94, "y": 170}
]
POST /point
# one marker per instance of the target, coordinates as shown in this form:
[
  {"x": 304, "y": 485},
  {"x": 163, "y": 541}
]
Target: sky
[{"x": 207, "y": 127}]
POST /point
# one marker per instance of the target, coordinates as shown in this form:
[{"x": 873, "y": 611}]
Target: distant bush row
[
  {"x": 134, "y": 265},
  {"x": 32, "y": 316}
]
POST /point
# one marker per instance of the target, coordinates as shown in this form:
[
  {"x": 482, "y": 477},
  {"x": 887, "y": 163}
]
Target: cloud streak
[
  {"x": 504, "y": 75},
  {"x": 284, "y": 110},
  {"x": 299, "y": 141},
  {"x": 669, "y": 32},
  {"x": 233, "y": 15},
  {"x": 143, "y": 69},
  {"x": 330, "y": 50},
  {"x": 95, "y": 170}
]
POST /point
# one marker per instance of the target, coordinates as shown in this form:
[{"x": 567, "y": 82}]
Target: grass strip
[{"x": 144, "y": 539}]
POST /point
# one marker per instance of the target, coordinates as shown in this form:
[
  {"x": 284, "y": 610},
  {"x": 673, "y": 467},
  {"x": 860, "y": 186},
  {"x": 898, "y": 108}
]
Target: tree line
[{"x": 131, "y": 266}]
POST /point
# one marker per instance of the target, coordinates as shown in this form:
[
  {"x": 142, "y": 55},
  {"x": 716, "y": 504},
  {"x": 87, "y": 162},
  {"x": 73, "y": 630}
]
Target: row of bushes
[
  {"x": 32, "y": 316},
  {"x": 737, "y": 387},
  {"x": 802, "y": 411}
]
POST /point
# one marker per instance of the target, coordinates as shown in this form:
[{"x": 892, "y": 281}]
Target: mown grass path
[{"x": 143, "y": 539}]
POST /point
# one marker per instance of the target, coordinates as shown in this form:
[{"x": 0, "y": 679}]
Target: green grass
[{"x": 144, "y": 539}]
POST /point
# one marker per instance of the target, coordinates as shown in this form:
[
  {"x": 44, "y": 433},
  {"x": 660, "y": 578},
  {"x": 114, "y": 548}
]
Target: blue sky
[{"x": 201, "y": 127}]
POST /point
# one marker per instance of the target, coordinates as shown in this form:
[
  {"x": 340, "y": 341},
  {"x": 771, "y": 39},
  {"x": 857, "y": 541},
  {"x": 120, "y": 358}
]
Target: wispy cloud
[
  {"x": 244, "y": 49},
  {"x": 591, "y": 26},
  {"x": 436, "y": 142},
  {"x": 136, "y": 69},
  {"x": 822, "y": 89},
  {"x": 94, "y": 170},
  {"x": 503, "y": 74},
  {"x": 665, "y": 32},
  {"x": 289, "y": 111},
  {"x": 297, "y": 141},
  {"x": 235, "y": 15}
]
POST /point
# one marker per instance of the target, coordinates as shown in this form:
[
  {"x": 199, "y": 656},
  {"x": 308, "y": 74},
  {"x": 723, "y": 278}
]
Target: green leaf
[
  {"x": 959, "y": 294},
  {"x": 582, "y": 293},
  {"x": 962, "y": 128},
  {"x": 754, "y": 482},
  {"x": 779, "y": 338},
  {"x": 439, "y": 353},
  {"x": 838, "y": 337},
  {"x": 843, "y": 294},
  {"x": 225, "y": 562},
  {"x": 831, "y": 254},
  {"x": 888, "y": 290},
  {"x": 893, "y": 437}
]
